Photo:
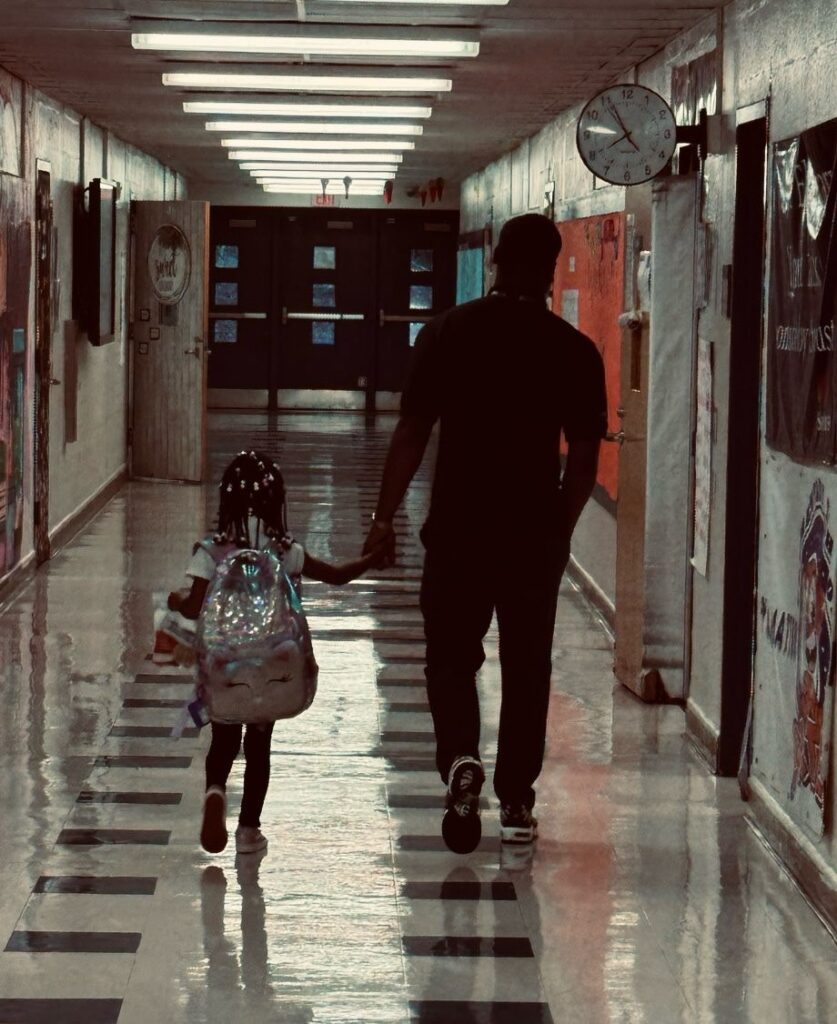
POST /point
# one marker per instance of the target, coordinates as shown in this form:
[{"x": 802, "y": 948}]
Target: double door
[{"x": 321, "y": 308}]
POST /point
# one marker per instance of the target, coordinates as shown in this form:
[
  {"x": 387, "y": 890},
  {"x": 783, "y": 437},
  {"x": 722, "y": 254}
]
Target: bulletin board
[{"x": 589, "y": 292}]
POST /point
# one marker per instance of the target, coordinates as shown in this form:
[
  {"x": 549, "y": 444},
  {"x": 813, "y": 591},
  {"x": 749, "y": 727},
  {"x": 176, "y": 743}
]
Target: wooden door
[
  {"x": 43, "y": 362},
  {"x": 169, "y": 331},
  {"x": 630, "y": 511},
  {"x": 417, "y": 281}
]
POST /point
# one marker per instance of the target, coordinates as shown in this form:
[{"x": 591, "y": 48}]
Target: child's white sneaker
[
  {"x": 249, "y": 839},
  {"x": 214, "y": 826}
]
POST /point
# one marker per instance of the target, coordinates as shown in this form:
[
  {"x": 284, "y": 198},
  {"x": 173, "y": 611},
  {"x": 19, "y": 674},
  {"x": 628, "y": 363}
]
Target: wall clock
[{"x": 626, "y": 134}]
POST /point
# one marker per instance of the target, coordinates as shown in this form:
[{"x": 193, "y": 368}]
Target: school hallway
[{"x": 647, "y": 898}]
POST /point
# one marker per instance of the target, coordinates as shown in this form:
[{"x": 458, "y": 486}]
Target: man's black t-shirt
[{"x": 505, "y": 377}]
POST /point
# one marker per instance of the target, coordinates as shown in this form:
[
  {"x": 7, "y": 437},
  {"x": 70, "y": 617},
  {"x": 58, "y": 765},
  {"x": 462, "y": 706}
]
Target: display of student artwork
[
  {"x": 169, "y": 264},
  {"x": 588, "y": 291},
  {"x": 801, "y": 368},
  {"x": 10, "y": 123},
  {"x": 795, "y": 641}
]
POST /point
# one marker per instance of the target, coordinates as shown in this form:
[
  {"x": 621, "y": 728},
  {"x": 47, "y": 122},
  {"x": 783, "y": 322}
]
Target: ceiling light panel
[
  {"x": 309, "y": 156},
  {"x": 313, "y": 128},
  {"x": 320, "y": 172},
  {"x": 368, "y": 145},
  {"x": 315, "y": 188},
  {"x": 311, "y": 43},
  {"x": 424, "y": 3},
  {"x": 375, "y": 170},
  {"x": 350, "y": 83},
  {"x": 306, "y": 108}
]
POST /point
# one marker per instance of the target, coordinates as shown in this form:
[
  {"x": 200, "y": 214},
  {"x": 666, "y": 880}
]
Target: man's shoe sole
[{"x": 514, "y": 836}]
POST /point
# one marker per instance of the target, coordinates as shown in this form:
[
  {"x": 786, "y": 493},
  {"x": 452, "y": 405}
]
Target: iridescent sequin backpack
[{"x": 254, "y": 655}]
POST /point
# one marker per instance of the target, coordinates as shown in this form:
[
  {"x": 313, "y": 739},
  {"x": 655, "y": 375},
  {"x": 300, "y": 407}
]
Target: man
[{"x": 505, "y": 377}]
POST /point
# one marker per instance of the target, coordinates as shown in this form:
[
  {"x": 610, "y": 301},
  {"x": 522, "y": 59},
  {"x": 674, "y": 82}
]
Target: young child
[{"x": 251, "y": 514}]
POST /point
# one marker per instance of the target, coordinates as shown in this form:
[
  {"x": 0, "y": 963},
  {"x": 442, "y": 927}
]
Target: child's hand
[{"x": 176, "y": 599}]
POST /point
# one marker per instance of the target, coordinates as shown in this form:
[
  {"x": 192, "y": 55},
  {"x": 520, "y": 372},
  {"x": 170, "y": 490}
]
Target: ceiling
[{"x": 537, "y": 57}]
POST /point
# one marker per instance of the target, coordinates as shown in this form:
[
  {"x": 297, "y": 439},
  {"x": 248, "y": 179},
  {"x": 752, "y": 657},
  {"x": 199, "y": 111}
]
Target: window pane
[
  {"x": 421, "y": 260},
  {"x": 225, "y": 331},
  {"x": 414, "y": 330},
  {"x": 226, "y": 293},
  {"x": 421, "y": 296},
  {"x": 322, "y": 332},
  {"x": 324, "y": 295},
  {"x": 325, "y": 257},
  {"x": 226, "y": 257}
]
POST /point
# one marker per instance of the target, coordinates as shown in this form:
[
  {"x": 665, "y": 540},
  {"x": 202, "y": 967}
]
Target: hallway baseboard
[
  {"x": 70, "y": 525},
  {"x": 592, "y": 591}
]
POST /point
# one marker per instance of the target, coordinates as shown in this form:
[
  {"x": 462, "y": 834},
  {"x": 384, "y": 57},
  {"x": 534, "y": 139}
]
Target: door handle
[
  {"x": 197, "y": 351},
  {"x": 617, "y": 438}
]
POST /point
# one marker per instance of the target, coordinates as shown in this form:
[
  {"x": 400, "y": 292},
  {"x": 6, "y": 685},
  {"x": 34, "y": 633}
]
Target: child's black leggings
[{"x": 226, "y": 742}]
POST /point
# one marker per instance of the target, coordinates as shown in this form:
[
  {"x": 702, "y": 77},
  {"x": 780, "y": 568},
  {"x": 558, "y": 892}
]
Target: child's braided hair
[{"x": 252, "y": 485}]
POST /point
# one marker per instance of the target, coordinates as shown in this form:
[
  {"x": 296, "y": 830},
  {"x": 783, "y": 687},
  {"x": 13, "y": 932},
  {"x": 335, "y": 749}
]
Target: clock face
[{"x": 626, "y": 134}]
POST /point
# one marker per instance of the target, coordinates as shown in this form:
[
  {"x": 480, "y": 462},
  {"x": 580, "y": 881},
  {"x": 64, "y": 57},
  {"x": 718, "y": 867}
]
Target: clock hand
[{"x": 622, "y": 124}]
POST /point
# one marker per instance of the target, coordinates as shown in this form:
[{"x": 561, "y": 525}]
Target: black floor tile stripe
[
  {"x": 496, "y": 891},
  {"x": 152, "y": 702},
  {"x": 113, "y": 837},
  {"x": 411, "y": 764},
  {"x": 403, "y": 736},
  {"x": 150, "y": 732},
  {"x": 60, "y": 1011},
  {"x": 424, "y": 801},
  {"x": 467, "y": 945},
  {"x": 140, "y": 761},
  {"x": 73, "y": 942},
  {"x": 98, "y": 885},
  {"x": 408, "y": 707},
  {"x": 442, "y": 1012},
  {"x": 401, "y": 659},
  {"x": 402, "y": 682},
  {"x": 435, "y": 844},
  {"x": 166, "y": 680},
  {"x": 92, "y": 796}
]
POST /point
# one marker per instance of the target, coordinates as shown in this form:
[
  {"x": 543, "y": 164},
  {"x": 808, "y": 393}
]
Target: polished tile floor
[{"x": 648, "y": 899}]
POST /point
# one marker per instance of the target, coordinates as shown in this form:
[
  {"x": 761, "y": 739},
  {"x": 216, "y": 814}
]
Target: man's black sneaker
[
  {"x": 517, "y": 824},
  {"x": 461, "y": 828}
]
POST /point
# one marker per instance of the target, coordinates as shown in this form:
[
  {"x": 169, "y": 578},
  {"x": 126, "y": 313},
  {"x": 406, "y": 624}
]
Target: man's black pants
[
  {"x": 223, "y": 750},
  {"x": 458, "y": 596}
]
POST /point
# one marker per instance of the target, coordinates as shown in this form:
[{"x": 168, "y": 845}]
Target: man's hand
[{"x": 381, "y": 540}]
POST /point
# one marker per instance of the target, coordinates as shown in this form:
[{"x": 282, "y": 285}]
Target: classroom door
[
  {"x": 169, "y": 331},
  {"x": 417, "y": 281},
  {"x": 326, "y": 278}
]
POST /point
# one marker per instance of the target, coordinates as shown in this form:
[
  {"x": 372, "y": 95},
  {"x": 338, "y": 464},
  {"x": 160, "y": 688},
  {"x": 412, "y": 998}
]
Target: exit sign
[{"x": 321, "y": 200}]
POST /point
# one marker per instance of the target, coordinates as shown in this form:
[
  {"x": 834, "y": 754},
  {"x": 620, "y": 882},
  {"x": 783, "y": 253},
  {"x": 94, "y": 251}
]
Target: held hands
[{"x": 380, "y": 545}]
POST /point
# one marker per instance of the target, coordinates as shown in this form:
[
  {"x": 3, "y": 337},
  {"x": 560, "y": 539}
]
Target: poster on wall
[
  {"x": 703, "y": 458},
  {"x": 801, "y": 369},
  {"x": 589, "y": 291},
  {"x": 468, "y": 275},
  {"x": 795, "y": 641},
  {"x": 11, "y": 105}
]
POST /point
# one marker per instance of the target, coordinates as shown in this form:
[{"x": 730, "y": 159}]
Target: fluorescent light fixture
[
  {"x": 313, "y": 128},
  {"x": 311, "y": 156},
  {"x": 346, "y": 145},
  {"x": 316, "y": 184},
  {"x": 306, "y": 83},
  {"x": 317, "y": 189},
  {"x": 430, "y": 3},
  {"x": 311, "y": 43},
  {"x": 333, "y": 173},
  {"x": 375, "y": 170},
  {"x": 305, "y": 108}
]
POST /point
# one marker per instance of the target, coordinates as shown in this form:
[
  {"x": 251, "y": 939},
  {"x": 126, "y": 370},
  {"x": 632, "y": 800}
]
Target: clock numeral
[
  {"x": 662, "y": 154},
  {"x": 594, "y": 115},
  {"x": 627, "y": 94},
  {"x": 663, "y": 113},
  {"x": 667, "y": 133},
  {"x": 648, "y": 170},
  {"x": 627, "y": 175},
  {"x": 587, "y": 135},
  {"x": 591, "y": 155}
]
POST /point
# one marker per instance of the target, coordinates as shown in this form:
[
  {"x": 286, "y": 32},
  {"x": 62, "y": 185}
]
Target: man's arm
[
  {"x": 406, "y": 450},
  {"x": 578, "y": 480}
]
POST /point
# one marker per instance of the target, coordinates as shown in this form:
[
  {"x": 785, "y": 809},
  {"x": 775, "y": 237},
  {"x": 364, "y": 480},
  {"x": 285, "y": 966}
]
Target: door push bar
[
  {"x": 384, "y": 318},
  {"x": 286, "y": 316}
]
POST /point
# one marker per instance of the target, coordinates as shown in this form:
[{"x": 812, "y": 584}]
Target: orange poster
[{"x": 588, "y": 291}]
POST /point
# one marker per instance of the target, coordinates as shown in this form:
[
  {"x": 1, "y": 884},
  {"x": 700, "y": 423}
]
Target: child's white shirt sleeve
[
  {"x": 202, "y": 565},
  {"x": 293, "y": 559}
]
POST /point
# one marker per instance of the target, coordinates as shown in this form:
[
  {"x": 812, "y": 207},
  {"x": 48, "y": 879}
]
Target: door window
[
  {"x": 421, "y": 296},
  {"x": 325, "y": 257},
  {"x": 225, "y": 331},
  {"x": 226, "y": 293},
  {"x": 324, "y": 296},
  {"x": 421, "y": 261},
  {"x": 226, "y": 257},
  {"x": 414, "y": 331},
  {"x": 322, "y": 332}
]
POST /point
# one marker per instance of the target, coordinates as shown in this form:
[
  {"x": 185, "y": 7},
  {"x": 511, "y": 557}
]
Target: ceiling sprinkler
[{"x": 346, "y": 183}]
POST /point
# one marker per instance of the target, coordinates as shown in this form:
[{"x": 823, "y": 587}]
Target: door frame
[
  {"x": 742, "y": 484},
  {"x": 43, "y": 380}
]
